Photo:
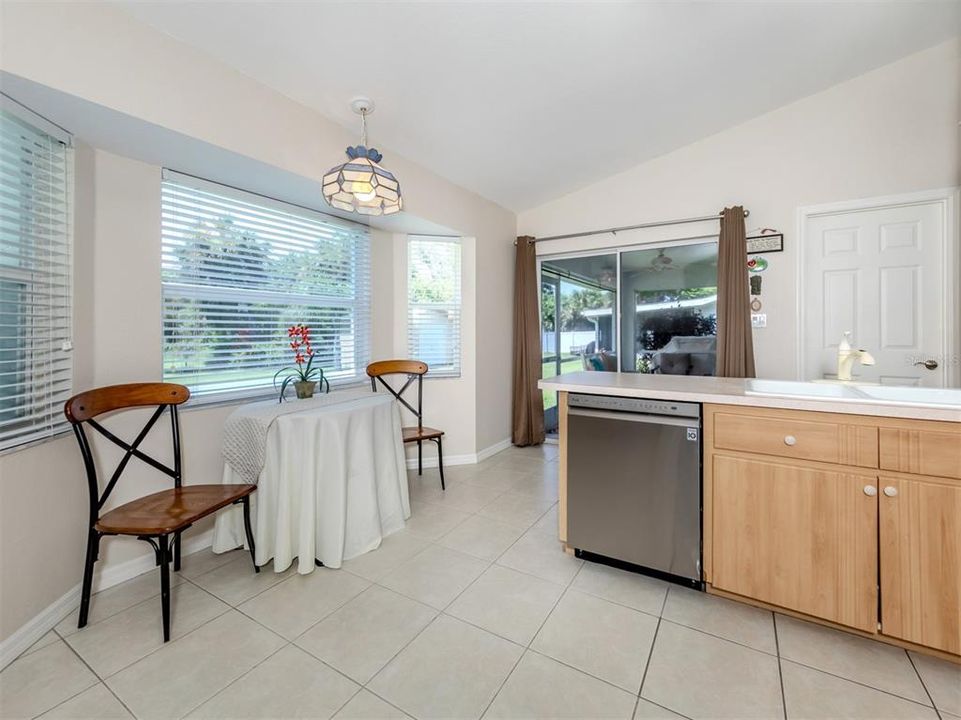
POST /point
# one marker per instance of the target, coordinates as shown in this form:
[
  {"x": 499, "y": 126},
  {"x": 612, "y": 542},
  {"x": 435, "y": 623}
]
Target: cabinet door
[
  {"x": 921, "y": 562},
  {"x": 799, "y": 537}
]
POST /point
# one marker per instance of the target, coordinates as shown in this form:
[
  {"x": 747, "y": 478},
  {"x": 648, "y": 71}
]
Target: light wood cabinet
[
  {"x": 856, "y": 521},
  {"x": 798, "y": 537},
  {"x": 783, "y": 433},
  {"x": 921, "y": 451},
  {"x": 920, "y": 555}
]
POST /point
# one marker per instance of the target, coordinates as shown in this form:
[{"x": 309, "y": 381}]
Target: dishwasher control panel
[{"x": 634, "y": 405}]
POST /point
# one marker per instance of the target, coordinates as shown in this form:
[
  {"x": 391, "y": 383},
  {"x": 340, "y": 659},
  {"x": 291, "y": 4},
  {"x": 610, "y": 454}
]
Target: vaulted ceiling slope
[{"x": 525, "y": 102}]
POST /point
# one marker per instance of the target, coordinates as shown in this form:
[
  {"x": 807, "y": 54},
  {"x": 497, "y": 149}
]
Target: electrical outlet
[{"x": 758, "y": 320}]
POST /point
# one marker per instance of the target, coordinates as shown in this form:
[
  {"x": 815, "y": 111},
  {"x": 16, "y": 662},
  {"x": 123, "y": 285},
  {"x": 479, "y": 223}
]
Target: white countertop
[{"x": 913, "y": 403}]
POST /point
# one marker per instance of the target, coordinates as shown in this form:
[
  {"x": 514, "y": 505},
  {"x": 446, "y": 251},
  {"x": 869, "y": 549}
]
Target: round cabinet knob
[
  {"x": 790, "y": 440},
  {"x": 870, "y": 490},
  {"x": 890, "y": 491}
]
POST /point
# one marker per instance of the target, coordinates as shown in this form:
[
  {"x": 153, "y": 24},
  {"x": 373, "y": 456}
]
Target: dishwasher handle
[{"x": 635, "y": 417}]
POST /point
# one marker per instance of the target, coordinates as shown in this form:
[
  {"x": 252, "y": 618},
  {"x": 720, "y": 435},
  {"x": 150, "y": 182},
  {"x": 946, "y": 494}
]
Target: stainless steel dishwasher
[{"x": 634, "y": 483}]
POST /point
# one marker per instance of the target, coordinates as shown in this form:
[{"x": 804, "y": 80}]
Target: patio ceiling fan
[{"x": 662, "y": 262}]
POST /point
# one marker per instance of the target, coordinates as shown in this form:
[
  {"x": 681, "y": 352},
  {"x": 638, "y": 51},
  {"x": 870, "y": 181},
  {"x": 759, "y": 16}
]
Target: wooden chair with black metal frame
[
  {"x": 152, "y": 518},
  {"x": 414, "y": 370}
]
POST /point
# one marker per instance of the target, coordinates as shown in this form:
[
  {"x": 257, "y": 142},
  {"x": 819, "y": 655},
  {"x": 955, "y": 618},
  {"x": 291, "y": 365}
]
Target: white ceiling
[{"x": 524, "y": 102}]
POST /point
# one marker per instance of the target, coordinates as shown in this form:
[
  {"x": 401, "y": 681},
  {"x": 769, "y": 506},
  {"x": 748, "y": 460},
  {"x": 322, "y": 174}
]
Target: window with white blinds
[
  {"x": 434, "y": 302},
  {"x": 35, "y": 272},
  {"x": 238, "y": 270}
]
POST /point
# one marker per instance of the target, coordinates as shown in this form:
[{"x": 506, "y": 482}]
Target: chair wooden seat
[
  {"x": 413, "y": 434},
  {"x": 170, "y": 510}
]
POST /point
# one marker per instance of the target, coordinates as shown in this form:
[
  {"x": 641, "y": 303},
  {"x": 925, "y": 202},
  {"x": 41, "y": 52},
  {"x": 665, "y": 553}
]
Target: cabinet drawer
[
  {"x": 785, "y": 434},
  {"x": 921, "y": 452}
]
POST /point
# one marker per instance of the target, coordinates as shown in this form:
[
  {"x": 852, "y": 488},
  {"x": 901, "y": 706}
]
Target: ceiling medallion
[{"x": 361, "y": 185}]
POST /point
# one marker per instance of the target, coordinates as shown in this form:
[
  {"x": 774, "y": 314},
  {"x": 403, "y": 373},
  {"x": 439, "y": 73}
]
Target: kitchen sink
[{"x": 789, "y": 388}]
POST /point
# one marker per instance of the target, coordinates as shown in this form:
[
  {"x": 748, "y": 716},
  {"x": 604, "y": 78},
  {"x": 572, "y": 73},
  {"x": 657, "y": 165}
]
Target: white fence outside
[{"x": 570, "y": 341}]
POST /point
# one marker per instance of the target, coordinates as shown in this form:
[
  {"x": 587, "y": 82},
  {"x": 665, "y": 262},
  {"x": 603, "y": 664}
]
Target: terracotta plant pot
[{"x": 305, "y": 389}]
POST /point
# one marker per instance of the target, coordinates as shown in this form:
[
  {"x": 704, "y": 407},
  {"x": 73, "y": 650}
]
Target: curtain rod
[{"x": 615, "y": 230}]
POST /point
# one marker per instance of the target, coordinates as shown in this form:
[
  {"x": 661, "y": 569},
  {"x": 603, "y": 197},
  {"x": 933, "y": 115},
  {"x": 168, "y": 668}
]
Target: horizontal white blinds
[
  {"x": 35, "y": 293},
  {"x": 238, "y": 270},
  {"x": 434, "y": 303}
]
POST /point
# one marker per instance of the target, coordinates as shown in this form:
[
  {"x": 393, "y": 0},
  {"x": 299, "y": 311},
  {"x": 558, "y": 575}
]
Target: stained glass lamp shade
[{"x": 361, "y": 185}]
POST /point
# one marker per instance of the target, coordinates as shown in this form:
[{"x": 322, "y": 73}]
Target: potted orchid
[{"x": 303, "y": 375}]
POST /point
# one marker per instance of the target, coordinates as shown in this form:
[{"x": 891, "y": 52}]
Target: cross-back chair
[
  {"x": 415, "y": 371},
  {"x": 152, "y": 518}
]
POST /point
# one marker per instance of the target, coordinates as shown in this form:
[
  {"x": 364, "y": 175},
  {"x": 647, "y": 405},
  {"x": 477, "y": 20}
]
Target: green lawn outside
[{"x": 569, "y": 363}]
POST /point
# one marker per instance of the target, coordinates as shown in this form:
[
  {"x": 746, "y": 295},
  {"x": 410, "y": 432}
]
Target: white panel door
[{"x": 878, "y": 273}]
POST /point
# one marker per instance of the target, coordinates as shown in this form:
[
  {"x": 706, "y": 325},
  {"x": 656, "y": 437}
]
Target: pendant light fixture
[{"x": 361, "y": 185}]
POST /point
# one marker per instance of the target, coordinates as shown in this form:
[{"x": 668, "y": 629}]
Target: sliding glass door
[
  {"x": 646, "y": 309},
  {"x": 669, "y": 309},
  {"x": 578, "y": 300}
]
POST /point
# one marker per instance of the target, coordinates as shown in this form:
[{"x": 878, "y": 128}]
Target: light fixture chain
[{"x": 363, "y": 126}]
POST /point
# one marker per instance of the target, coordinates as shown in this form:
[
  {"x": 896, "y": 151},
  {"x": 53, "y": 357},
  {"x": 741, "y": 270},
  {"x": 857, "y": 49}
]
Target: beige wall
[
  {"x": 98, "y": 53},
  {"x": 894, "y": 130}
]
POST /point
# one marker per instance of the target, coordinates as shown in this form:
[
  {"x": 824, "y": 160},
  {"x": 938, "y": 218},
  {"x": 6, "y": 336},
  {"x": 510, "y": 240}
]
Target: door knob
[
  {"x": 870, "y": 490},
  {"x": 890, "y": 491},
  {"x": 790, "y": 440},
  {"x": 928, "y": 364}
]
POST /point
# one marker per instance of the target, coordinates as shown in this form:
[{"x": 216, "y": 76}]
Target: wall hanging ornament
[
  {"x": 361, "y": 185},
  {"x": 756, "y": 265},
  {"x": 755, "y": 281},
  {"x": 765, "y": 240},
  {"x": 756, "y": 305}
]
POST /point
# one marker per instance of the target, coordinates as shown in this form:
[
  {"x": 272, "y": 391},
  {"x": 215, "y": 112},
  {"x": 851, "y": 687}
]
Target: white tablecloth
[{"x": 334, "y": 484}]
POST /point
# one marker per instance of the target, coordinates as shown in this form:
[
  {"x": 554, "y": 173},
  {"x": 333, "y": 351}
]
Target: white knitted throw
[{"x": 245, "y": 431}]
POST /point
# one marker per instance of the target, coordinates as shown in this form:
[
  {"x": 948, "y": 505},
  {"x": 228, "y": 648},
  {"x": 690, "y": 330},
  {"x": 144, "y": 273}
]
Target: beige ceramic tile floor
[{"x": 471, "y": 611}]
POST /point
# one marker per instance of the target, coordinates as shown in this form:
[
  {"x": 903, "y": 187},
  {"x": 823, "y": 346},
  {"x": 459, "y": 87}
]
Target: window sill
[
  {"x": 201, "y": 403},
  {"x": 33, "y": 443}
]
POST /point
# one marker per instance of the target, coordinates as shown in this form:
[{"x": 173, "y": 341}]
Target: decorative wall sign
[
  {"x": 756, "y": 265},
  {"x": 767, "y": 241}
]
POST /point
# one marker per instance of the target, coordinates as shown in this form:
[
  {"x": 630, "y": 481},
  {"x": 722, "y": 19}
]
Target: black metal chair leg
[
  {"x": 420, "y": 457},
  {"x": 177, "y": 551},
  {"x": 440, "y": 462},
  {"x": 250, "y": 532},
  {"x": 164, "y": 552},
  {"x": 93, "y": 550}
]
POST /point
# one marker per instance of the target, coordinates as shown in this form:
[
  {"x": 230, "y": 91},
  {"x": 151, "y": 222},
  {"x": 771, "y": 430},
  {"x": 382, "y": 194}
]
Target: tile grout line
[
  {"x": 166, "y": 644},
  {"x": 534, "y": 636},
  {"x": 927, "y": 692},
  {"x": 104, "y": 678},
  {"x": 287, "y": 643},
  {"x": 857, "y": 682},
  {"x": 232, "y": 682},
  {"x": 717, "y": 637},
  {"x": 650, "y": 653},
  {"x": 780, "y": 668}
]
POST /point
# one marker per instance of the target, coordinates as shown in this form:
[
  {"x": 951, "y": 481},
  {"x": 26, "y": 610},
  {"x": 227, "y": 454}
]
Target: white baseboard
[
  {"x": 39, "y": 626},
  {"x": 110, "y": 575},
  {"x": 104, "y": 577},
  {"x": 493, "y": 449},
  {"x": 470, "y": 459}
]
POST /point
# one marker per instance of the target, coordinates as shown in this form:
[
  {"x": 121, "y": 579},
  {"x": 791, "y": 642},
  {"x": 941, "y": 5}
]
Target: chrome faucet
[{"x": 847, "y": 357}]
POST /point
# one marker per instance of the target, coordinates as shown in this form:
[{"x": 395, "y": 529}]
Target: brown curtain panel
[
  {"x": 528, "y": 405},
  {"x": 735, "y": 345}
]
